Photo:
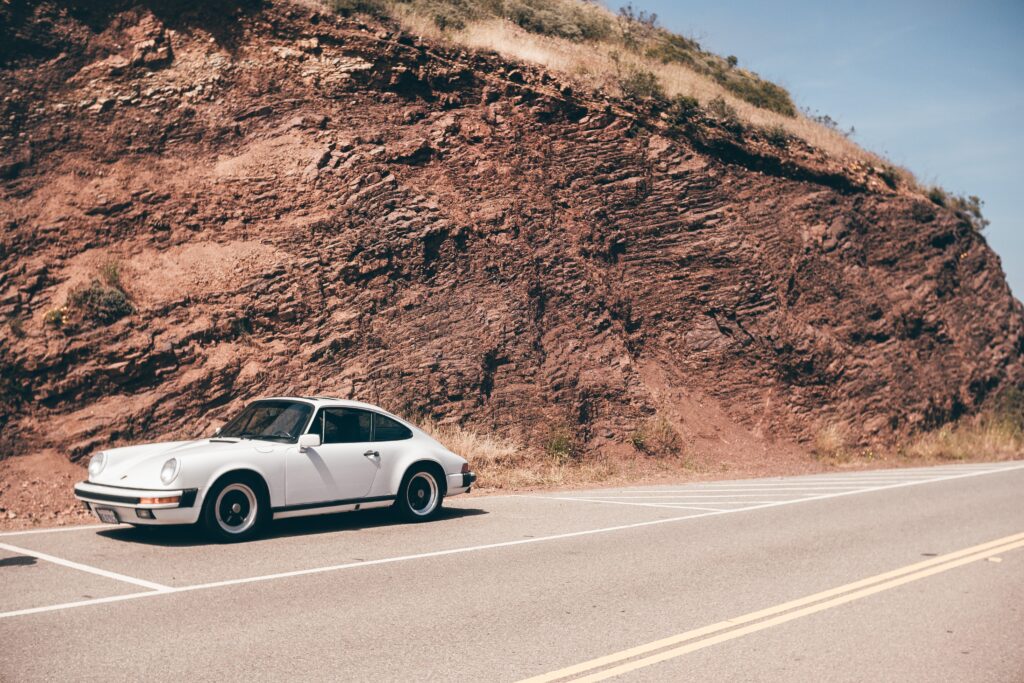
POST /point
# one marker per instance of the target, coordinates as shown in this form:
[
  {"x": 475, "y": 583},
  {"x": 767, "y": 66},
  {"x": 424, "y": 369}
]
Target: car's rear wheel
[
  {"x": 421, "y": 494},
  {"x": 236, "y": 509}
]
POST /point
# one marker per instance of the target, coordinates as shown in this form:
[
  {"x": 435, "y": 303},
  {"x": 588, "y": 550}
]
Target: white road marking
[
  {"x": 84, "y": 567},
  {"x": 619, "y": 502},
  {"x": 827, "y": 482},
  {"x": 696, "y": 496},
  {"x": 489, "y": 546},
  {"x": 25, "y": 532},
  {"x": 802, "y": 497},
  {"x": 79, "y": 603},
  {"x": 744, "y": 502}
]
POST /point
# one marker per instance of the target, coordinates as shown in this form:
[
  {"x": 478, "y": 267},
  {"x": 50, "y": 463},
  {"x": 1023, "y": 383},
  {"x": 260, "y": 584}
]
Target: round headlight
[
  {"x": 97, "y": 463},
  {"x": 169, "y": 471}
]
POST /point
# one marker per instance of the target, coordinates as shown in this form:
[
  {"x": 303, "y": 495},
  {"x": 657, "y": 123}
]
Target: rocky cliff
[{"x": 298, "y": 202}]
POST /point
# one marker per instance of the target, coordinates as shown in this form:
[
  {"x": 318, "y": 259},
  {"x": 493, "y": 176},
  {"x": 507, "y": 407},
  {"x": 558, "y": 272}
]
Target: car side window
[
  {"x": 386, "y": 429},
  {"x": 346, "y": 425}
]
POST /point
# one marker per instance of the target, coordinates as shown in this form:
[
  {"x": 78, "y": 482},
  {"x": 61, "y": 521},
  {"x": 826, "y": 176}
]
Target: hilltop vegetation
[
  {"x": 631, "y": 37},
  {"x": 616, "y": 52}
]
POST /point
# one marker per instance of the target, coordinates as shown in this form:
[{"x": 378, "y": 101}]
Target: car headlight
[
  {"x": 97, "y": 463},
  {"x": 170, "y": 470}
]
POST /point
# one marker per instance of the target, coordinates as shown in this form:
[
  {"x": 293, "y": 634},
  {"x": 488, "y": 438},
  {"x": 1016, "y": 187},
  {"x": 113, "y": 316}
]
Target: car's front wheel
[
  {"x": 421, "y": 495},
  {"x": 236, "y": 509}
]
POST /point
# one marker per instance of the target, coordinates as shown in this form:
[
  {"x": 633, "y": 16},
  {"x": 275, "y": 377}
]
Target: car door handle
[{"x": 372, "y": 454}]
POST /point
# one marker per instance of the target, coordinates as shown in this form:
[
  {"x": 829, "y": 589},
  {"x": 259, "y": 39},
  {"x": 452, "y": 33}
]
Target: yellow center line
[{"x": 846, "y": 593}]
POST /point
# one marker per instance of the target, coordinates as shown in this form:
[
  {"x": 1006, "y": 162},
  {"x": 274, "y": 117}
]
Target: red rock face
[{"x": 299, "y": 203}]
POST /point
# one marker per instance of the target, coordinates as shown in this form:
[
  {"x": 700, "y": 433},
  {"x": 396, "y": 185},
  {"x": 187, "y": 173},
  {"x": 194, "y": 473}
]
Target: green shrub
[
  {"x": 656, "y": 437},
  {"x": 938, "y": 196},
  {"x": 110, "y": 273},
  {"x": 682, "y": 108},
  {"x": 640, "y": 84},
  {"x": 558, "y": 18},
  {"x": 99, "y": 303},
  {"x": 376, "y": 8},
  {"x": 889, "y": 175},
  {"x": 722, "y": 110},
  {"x": 668, "y": 48},
  {"x": 447, "y": 14},
  {"x": 969, "y": 209},
  {"x": 732, "y": 61},
  {"x": 560, "y": 445},
  {"x": 776, "y": 136},
  {"x": 760, "y": 93}
]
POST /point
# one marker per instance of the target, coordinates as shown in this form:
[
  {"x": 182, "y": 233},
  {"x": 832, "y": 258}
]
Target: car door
[
  {"x": 390, "y": 440},
  {"x": 342, "y": 467}
]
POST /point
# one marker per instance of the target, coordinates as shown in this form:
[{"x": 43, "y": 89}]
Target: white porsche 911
[{"x": 280, "y": 457}]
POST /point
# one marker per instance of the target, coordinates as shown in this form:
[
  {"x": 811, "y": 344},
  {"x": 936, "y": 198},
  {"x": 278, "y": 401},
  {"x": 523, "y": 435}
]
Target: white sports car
[{"x": 280, "y": 457}]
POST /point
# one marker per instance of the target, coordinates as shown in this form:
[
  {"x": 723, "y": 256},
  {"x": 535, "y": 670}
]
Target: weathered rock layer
[{"x": 300, "y": 203}]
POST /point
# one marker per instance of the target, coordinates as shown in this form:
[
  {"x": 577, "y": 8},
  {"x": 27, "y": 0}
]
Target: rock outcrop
[{"x": 296, "y": 202}]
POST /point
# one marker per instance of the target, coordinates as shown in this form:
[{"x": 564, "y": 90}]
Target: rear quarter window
[{"x": 386, "y": 429}]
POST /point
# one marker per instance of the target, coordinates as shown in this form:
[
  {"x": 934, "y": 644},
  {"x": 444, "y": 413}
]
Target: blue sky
[{"x": 937, "y": 87}]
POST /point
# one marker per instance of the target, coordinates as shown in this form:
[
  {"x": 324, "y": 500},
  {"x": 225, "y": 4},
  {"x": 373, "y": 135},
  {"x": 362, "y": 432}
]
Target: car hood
[{"x": 139, "y": 466}]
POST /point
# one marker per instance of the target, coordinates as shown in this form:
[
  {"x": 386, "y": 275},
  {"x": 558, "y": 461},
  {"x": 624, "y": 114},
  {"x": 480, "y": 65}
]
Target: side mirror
[
  {"x": 216, "y": 432},
  {"x": 309, "y": 441}
]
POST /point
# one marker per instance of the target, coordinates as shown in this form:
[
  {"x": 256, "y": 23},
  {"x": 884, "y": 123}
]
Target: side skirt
[{"x": 332, "y": 506}]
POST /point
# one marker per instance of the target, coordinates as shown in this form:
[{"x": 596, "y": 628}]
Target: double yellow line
[{"x": 675, "y": 646}]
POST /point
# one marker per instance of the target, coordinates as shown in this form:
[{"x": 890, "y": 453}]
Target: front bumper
[{"x": 141, "y": 506}]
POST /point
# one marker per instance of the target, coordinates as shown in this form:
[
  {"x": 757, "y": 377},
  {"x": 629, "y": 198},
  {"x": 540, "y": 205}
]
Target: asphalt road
[{"x": 908, "y": 575}]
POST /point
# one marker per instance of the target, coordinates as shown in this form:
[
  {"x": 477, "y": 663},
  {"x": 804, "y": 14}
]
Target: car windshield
[{"x": 269, "y": 421}]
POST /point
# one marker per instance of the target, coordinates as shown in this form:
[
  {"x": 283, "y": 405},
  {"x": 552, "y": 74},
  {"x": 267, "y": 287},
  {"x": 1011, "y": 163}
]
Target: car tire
[
  {"x": 237, "y": 508},
  {"x": 421, "y": 494}
]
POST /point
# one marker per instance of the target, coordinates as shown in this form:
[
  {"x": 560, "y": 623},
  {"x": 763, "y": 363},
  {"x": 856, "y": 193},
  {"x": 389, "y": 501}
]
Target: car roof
[{"x": 320, "y": 401}]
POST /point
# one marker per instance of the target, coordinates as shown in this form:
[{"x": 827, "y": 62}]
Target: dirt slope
[{"x": 297, "y": 202}]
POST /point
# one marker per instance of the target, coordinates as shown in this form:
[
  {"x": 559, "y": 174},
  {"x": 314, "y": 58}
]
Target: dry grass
[
  {"x": 657, "y": 437},
  {"x": 602, "y": 65},
  {"x": 502, "y": 463},
  {"x": 997, "y": 434},
  {"x": 506, "y": 464},
  {"x": 984, "y": 437},
  {"x": 830, "y": 442}
]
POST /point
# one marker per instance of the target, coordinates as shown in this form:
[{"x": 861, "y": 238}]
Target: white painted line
[
  {"x": 818, "y": 484},
  {"x": 853, "y": 477},
  {"x": 477, "y": 548},
  {"x": 78, "y": 603},
  {"x": 713, "y": 489},
  {"x": 84, "y": 567},
  {"x": 754, "y": 502},
  {"x": 707, "y": 494},
  {"x": 739, "y": 487},
  {"x": 716, "y": 501},
  {"x": 619, "y": 502},
  {"x": 51, "y": 530}
]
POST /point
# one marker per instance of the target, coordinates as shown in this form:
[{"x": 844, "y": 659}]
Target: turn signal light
[{"x": 159, "y": 501}]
